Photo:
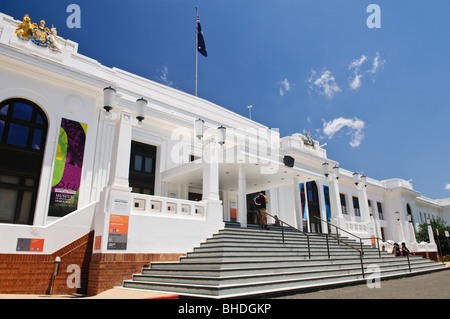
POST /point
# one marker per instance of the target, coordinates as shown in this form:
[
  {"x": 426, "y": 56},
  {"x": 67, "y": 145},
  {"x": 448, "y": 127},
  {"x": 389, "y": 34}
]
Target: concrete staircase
[{"x": 242, "y": 262}]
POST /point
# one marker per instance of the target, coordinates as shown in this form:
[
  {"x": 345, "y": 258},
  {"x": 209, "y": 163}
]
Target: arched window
[{"x": 23, "y": 132}]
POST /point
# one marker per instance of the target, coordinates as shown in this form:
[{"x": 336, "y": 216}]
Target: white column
[
  {"x": 335, "y": 203},
  {"x": 210, "y": 172},
  {"x": 242, "y": 197},
  {"x": 363, "y": 203},
  {"x": 214, "y": 207},
  {"x": 120, "y": 159}
]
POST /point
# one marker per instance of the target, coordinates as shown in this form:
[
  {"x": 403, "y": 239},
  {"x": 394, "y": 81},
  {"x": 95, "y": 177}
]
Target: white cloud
[
  {"x": 355, "y": 129},
  {"x": 163, "y": 78},
  {"x": 285, "y": 86},
  {"x": 355, "y": 80},
  {"x": 324, "y": 84},
  {"x": 377, "y": 63},
  {"x": 358, "y": 63},
  {"x": 447, "y": 186}
]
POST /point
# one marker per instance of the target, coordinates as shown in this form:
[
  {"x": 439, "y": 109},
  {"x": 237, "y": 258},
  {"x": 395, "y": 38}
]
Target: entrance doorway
[
  {"x": 142, "y": 168},
  {"x": 313, "y": 207},
  {"x": 252, "y": 211}
]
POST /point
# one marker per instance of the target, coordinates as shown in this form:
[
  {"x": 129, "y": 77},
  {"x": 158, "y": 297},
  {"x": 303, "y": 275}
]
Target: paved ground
[
  {"x": 115, "y": 293},
  {"x": 428, "y": 286}
]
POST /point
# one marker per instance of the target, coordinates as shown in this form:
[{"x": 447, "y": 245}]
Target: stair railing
[
  {"x": 361, "y": 240},
  {"x": 361, "y": 252}
]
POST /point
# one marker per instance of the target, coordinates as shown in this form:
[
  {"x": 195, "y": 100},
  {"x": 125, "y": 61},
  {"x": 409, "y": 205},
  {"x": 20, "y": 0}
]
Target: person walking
[{"x": 260, "y": 202}]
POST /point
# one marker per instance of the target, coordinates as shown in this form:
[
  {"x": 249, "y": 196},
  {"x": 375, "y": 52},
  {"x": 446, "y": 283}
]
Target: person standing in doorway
[{"x": 260, "y": 202}]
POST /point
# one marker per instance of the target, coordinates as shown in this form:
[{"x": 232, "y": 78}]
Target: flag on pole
[{"x": 200, "y": 40}]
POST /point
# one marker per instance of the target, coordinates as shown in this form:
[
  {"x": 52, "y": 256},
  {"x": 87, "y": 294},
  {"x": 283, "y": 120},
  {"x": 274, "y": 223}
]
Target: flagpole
[{"x": 196, "y": 48}]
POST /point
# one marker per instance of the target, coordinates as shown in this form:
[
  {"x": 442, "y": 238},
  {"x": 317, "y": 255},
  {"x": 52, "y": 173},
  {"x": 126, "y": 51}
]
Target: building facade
[{"x": 108, "y": 171}]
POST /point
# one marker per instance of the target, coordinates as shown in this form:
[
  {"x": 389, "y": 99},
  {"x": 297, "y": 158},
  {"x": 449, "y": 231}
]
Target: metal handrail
[
  {"x": 360, "y": 240},
  {"x": 361, "y": 252},
  {"x": 295, "y": 228}
]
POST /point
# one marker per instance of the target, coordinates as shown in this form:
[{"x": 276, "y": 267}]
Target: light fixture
[
  {"x": 364, "y": 180},
  {"x": 140, "y": 111},
  {"x": 336, "y": 171},
  {"x": 326, "y": 169},
  {"x": 222, "y": 134},
  {"x": 109, "y": 94},
  {"x": 356, "y": 178},
  {"x": 198, "y": 128}
]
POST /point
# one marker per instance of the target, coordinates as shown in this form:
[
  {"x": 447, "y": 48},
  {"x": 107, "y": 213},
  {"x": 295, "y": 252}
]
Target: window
[
  {"x": 23, "y": 131},
  {"x": 343, "y": 204},
  {"x": 142, "y": 168},
  {"x": 380, "y": 211},
  {"x": 356, "y": 206}
]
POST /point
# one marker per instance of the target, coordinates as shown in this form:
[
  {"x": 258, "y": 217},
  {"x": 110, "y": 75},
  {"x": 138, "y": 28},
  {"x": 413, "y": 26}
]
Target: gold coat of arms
[{"x": 38, "y": 34}]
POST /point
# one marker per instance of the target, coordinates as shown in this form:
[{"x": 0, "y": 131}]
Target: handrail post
[
  {"x": 362, "y": 265},
  {"x": 309, "y": 249},
  {"x": 409, "y": 264},
  {"x": 378, "y": 245},
  {"x": 282, "y": 231},
  {"x": 328, "y": 247}
]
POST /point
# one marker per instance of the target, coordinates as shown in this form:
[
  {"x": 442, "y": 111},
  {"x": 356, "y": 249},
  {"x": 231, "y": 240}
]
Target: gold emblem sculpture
[{"x": 39, "y": 35}]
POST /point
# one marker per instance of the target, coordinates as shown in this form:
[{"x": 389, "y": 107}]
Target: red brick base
[
  {"x": 433, "y": 255},
  {"x": 32, "y": 273}
]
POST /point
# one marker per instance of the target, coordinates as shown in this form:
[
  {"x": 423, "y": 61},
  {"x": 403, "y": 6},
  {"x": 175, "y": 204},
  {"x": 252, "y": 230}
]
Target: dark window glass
[
  {"x": 22, "y": 111},
  {"x": 2, "y": 126},
  {"x": 148, "y": 165},
  {"x": 4, "y": 110},
  {"x": 39, "y": 119},
  {"x": 37, "y": 139},
  {"x": 18, "y": 134},
  {"x": 138, "y": 163}
]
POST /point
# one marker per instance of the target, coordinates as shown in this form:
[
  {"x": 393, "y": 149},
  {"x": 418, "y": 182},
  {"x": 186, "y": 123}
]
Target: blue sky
[{"x": 379, "y": 97}]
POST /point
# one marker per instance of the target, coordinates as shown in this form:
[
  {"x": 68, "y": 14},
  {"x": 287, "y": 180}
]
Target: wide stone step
[
  {"x": 241, "y": 269},
  {"x": 258, "y": 286},
  {"x": 238, "y": 262}
]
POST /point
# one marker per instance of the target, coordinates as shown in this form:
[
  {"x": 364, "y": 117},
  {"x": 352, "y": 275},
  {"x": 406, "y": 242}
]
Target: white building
[{"x": 69, "y": 169}]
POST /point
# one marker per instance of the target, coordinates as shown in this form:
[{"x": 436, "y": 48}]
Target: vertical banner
[
  {"x": 233, "y": 210},
  {"x": 68, "y": 168}
]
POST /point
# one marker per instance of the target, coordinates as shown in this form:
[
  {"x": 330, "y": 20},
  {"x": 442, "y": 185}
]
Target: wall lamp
[
  {"x": 199, "y": 128},
  {"x": 357, "y": 178},
  {"x": 109, "y": 95},
  {"x": 326, "y": 170}
]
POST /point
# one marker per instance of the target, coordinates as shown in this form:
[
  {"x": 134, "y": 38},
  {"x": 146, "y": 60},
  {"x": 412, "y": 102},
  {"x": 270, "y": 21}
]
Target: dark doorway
[
  {"x": 313, "y": 207},
  {"x": 142, "y": 168},
  {"x": 252, "y": 212}
]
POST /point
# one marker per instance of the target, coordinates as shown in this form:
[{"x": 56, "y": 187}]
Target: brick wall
[
  {"x": 109, "y": 270},
  {"x": 32, "y": 273}
]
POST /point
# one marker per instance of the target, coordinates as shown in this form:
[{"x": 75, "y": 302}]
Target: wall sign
[
  {"x": 30, "y": 244},
  {"x": 68, "y": 168},
  {"x": 118, "y": 222}
]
